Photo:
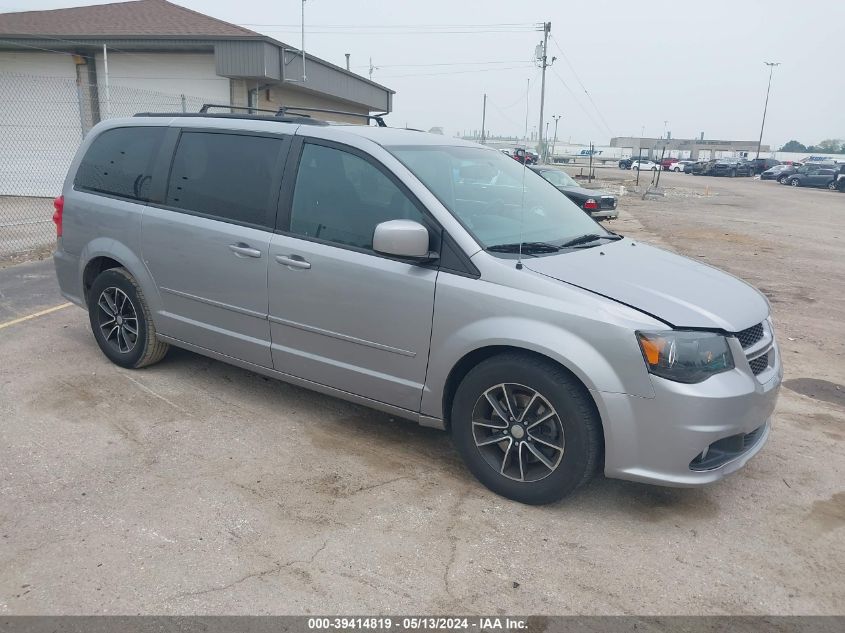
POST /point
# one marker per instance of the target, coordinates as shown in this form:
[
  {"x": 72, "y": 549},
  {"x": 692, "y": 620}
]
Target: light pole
[
  {"x": 554, "y": 142},
  {"x": 771, "y": 66}
]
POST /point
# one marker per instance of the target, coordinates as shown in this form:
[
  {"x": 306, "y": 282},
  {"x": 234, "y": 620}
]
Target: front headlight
[{"x": 685, "y": 356}]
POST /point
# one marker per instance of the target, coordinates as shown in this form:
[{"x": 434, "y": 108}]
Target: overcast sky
[{"x": 697, "y": 65}]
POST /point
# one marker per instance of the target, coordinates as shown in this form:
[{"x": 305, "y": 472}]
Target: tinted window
[
  {"x": 120, "y": 161},
  {"x": 228, "y": 176},
  {"x": 341, "y": 198}
]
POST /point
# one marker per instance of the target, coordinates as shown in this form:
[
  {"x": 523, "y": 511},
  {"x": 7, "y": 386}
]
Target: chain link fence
[{"x": 42, "y": 122}]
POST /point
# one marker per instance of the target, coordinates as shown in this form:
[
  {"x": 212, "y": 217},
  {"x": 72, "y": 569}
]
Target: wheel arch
[
  {"x": 472, "y": 358},
  {"x": 105, "y": 253}
]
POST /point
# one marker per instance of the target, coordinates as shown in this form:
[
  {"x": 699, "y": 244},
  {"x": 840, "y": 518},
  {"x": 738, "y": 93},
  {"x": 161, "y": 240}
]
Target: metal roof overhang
[{"x": 261, "y": 58}]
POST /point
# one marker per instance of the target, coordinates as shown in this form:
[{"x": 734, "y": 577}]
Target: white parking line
[{"x": 34, "y": 315}]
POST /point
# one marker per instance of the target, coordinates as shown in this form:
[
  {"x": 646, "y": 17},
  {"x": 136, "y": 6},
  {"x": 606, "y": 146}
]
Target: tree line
[{"x": 827, "y": 146}]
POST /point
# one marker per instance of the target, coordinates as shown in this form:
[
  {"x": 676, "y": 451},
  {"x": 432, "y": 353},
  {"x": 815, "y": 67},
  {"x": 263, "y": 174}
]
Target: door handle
[
  {"x": 293, "y": 261},
  {"x": 244, "y": 250}
]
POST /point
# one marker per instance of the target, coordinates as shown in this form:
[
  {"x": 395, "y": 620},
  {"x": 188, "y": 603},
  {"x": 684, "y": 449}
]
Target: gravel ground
[{"x": 196, "y": 487}]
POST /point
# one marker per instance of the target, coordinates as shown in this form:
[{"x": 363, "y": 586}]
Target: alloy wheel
[
  {"x": 117, "y": 319},
  {"x": 518, "y": 432}
]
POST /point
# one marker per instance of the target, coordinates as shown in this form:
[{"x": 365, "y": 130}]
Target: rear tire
[
  {"x": 782, "y": 179},
  {"x": 795, "y": 182},
  {"x": 551, "y": 414},
  {"x": 831, "y": 186},
  {"x": 122, "y": 322}
]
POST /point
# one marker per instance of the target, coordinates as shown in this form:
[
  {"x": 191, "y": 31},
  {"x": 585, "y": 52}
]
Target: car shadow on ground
[{"x": 363, "y": 432}]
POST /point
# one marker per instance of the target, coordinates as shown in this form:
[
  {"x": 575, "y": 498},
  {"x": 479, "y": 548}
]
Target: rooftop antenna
[{"x": 524, "y": 168}]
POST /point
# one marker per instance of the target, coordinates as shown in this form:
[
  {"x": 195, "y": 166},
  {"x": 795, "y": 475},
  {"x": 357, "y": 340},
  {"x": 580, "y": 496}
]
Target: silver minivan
[{"x": 427, "y": 277}]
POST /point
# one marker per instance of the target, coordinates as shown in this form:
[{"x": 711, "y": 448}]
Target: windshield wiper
[
  {"x": 527, "y": 247},
  {"x": 590, "y": 237}
]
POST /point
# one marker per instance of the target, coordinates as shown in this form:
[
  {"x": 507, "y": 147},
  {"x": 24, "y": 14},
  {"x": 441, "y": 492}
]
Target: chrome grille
[{"x": 751, "y": 335}]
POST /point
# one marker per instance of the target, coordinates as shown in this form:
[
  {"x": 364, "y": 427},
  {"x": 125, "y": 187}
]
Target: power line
[
  {"x": 511, "y": 61},
  {"x": 456, "y": 72},
  {"x": 371, "y": 33},
  {"x": 397, "y": 26},
  {"x": 580, "y": 83},
  {"x": 576, "y": 100}
]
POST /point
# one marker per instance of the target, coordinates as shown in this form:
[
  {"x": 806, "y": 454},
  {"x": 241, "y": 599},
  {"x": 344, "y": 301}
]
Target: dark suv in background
[
  {"x": 733, "y": 167},
  {"x": 762, "y": 164},
  {"x": 701, "y": 168}
]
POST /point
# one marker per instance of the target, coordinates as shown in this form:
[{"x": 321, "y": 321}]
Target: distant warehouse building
[
  {"x": 63, "y": 70},
  {"x": 697, "y": 149}
]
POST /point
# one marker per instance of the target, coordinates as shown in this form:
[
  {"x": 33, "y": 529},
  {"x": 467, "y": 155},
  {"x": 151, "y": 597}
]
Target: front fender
[{"x": 595, "y": 342}]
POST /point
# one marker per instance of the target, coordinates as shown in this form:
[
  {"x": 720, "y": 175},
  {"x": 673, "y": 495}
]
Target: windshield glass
[{"x": 483, "y": 189}]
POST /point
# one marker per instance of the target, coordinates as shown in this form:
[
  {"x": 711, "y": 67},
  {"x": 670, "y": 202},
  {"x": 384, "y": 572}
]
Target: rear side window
[
  {"x": 120, "y": 161},
  {"x": 230, "y": 177}
]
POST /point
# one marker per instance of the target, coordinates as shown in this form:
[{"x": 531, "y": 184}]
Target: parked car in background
[
  {"x": 600, "y": 206},
  {"x": 521, "y": 155},
  {"x": 682, "y": 165},
  {"x": 646, "y": 165},
  {"x": 840, "y": 179},
  {"x": 667, "y": 163},
  {"x": 788, "y": 170},
  {"x": 797, "y": 169},
  {"x": 762, "y": 164},
  {"x": 733, "y": 167},
  {"x": 625, "y": 163},
  {"x": 702, "y": 168},
  {"x": 774, "y": 172},
  {"x": 813, "y": 176}
]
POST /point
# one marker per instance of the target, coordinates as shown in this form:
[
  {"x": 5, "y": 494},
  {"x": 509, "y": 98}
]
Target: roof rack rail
[
  {"x": 249, "y": 109},
  {"x": 301, "y": 120},
  {"x": 378, "y": 118}
]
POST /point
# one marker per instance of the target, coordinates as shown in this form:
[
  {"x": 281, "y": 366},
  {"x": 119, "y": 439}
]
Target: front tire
[
  {"x": 122, "y": 322},
  {"x": 831, "y": 186},
  {"x": 795, "y": 182},
  {"x": 782, "y": 179},
  {"x": 526, "y": 428}
]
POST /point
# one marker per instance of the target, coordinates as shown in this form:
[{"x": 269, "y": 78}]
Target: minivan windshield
[{"x": 497, "y": 199}]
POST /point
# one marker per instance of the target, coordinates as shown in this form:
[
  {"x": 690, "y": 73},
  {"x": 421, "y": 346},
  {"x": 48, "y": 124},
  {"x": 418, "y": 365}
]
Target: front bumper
[{"x": 657, "y": 440}]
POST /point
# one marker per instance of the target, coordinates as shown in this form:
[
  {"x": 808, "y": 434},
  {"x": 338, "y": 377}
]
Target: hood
[{"x": 677, "y": 290}]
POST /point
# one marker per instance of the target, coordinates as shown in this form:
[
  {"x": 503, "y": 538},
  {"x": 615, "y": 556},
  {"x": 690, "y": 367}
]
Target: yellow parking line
[{"x": 34, "y": 315}]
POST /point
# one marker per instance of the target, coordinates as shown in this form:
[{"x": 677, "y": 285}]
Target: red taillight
[
  {"x": 591, "y": 205},
  {"x": 59, "y": 204}
]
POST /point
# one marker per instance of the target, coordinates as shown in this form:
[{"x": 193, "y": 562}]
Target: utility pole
[
  {"x": 771, "y": 66},
  {"x": 542, "y": 57},
  {"x": 372, "y": 68},
  {"x": 556, "y": 117},
  {"x": 303, "y": 42},
  {"x": 483, "y": 117}
]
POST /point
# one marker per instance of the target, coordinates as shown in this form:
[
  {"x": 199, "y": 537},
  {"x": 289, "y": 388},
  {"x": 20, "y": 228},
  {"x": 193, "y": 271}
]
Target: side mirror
[{"x": 402, "y": 238}]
